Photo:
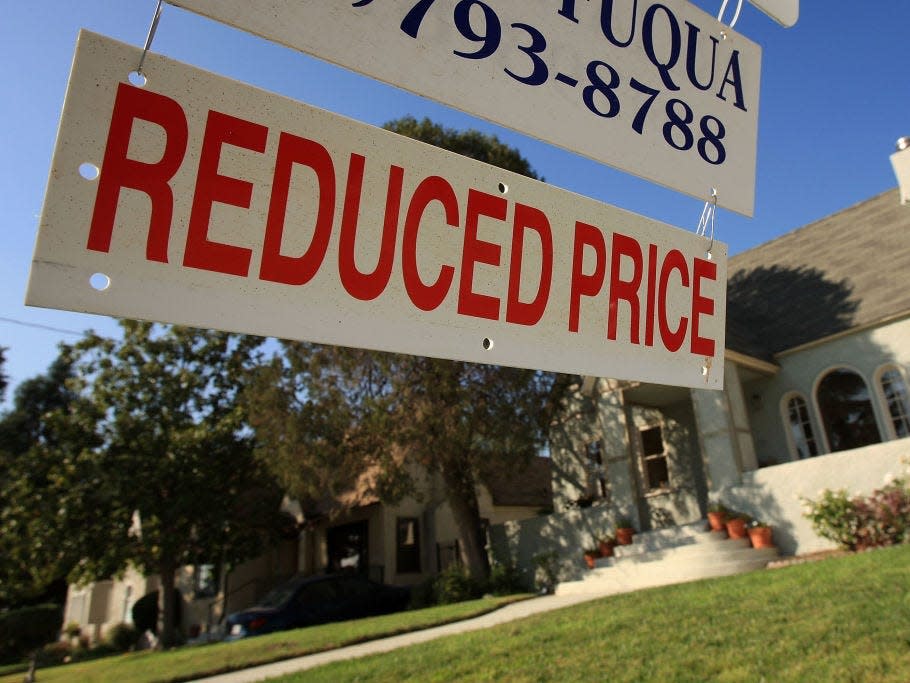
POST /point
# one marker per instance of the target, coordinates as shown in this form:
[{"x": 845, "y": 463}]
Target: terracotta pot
[
  {"x": 624, "y": 536},
  {"x": 760, "y": 536},
  {"x": 717, "y": 521},
  {"x": 736, "y": 528},
  {"x": 590, "y": 560},
  {"x": 606, "y": 549}
]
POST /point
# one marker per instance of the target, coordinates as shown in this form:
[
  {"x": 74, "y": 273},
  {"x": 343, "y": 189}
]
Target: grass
[
  {"x": 204, "y": 660},
  {"x": 840, "y": 620}
]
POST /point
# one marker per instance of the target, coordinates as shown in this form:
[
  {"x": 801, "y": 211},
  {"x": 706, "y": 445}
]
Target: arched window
[
  {"x": 894, "y": 391},
  {"x": 846, "y": 410},
  {"x": 799, "y": 426}
]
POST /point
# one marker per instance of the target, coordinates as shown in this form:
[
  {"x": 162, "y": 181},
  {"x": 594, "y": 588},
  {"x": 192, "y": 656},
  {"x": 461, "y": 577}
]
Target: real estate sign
[
  {"x": 220, "y": 205},
  {"x": 659, "y": 89}
]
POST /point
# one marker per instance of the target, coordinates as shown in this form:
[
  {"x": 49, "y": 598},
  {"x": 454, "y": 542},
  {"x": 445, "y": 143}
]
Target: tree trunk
[
  {"x": 32, "y": 667},
  {"x": 461, "y": 492},
  {"x": 167, "y": 619}
]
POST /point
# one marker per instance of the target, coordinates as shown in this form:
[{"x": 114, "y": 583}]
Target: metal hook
[
  {"x": 723, "y": 8},
  {"x": 707, "y": 216},
  {"x": 150, "y": 37}
]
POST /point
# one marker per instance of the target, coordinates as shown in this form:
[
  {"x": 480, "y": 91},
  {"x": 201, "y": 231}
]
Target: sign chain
[
  {"x": 150, "y": 37},
  {"x": 707, "y": 217}
]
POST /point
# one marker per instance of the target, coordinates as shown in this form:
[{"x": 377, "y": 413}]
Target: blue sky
[{"x": 834, "y": 100}]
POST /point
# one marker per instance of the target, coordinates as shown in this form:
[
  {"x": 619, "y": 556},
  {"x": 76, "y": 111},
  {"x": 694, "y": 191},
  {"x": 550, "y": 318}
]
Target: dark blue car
[{"x": 309, "y": 600}]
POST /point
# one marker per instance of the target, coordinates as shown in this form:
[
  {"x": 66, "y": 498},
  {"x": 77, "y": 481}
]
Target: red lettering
[
  {"x": 530, "y": 313},
  {"x": 476, "y": 250},
  {"x": 626, "y": 290},
  {"x": 672, "y": 340},
  {"x": 585, "y": 285},
  {"x": 297, "y": 270},
  {"x": 701, "y": 346},
  {"x": 211, "y": 187},
  {"x": 426, "y": 297},
  {"x": 361, "y": 285},
  {"x": 118, "y": 171},
  {"x": 652, "y": 278}
]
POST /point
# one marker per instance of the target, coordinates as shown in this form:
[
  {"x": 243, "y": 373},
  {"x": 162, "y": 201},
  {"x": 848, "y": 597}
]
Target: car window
[
  {"x": 316, "y": 593},
  {"x": 353, "y": 587},
  {"x": 278, "y": 596}
]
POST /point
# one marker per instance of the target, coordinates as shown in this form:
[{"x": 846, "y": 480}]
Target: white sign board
[
  {"x": 219, "y": 205},
  {"x": 784, "y": 12},
  {"x": 659, "y": 89}
]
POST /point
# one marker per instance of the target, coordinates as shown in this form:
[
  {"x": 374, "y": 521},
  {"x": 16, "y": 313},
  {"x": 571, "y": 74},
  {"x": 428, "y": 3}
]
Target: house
[
  {"x": 397, "y": 544},
  {"x": 815, "y": 396}
]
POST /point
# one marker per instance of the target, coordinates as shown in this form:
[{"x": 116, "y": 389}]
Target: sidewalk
[{"x": 517, "y": 610}]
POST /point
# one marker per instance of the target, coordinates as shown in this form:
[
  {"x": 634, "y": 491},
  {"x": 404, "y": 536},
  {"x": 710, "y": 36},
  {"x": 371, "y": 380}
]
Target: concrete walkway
[{"x": 503, "y": 615}]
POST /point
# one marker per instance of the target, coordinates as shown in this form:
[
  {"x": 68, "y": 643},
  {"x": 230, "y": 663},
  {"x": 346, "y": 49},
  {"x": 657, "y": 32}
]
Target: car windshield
[{"x": 278, "y": 596}]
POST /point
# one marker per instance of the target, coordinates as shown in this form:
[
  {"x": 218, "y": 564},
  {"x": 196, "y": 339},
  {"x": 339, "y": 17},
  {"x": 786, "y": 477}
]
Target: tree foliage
[
  {"x": 150, "y": 463},
  {"x": 470, "y": 143},
  {"x": 331, "y": 418},
  {"x": 45, "y": 484}
]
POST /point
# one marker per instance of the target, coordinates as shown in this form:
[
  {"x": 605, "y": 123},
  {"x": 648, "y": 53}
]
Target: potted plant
[
  {"x": 624, "y": 531},
  {"x": 591, "y": 555},
  {"x": 717, "y": 516},
  {"x": 760, "y": 535},
  {"x": 736, "y": 525},
  {"x": 606, "y": 545}
]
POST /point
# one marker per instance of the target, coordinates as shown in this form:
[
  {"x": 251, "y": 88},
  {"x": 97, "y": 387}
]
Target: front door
[{"x": 347, "y": 547}]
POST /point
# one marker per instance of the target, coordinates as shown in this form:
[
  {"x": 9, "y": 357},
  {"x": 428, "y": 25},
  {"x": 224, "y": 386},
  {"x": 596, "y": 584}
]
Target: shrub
[
  {"x": 880, "y": 519},
  {"x": 55, "y": 653},
  {"x": 454, "y": 585},
  {"x": 123, "y": 637},
  {"x": 423, "y": 594},
  {"x": 506, "y": 579},
  {"x": 23, "y": 631},
  {"x": 72, "y": 630},
  {"x": 833, "y": 517}
]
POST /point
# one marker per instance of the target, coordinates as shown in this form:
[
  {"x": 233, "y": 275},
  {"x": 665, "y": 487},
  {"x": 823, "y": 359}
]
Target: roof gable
[{"x": 845, "y": 271}]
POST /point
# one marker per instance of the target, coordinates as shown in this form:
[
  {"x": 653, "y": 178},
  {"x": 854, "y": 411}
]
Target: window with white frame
[
  {"x": 799, "y": 426},
  {"x": 597, "y": 482},
  {"x": 654, "y": 459},
  {"x": 894, "y": 390},
  {"x": 845, "y": 408}
]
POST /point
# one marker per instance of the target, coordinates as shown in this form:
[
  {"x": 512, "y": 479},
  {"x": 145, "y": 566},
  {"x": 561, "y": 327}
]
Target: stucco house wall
[{"x": 865, "y": 351}]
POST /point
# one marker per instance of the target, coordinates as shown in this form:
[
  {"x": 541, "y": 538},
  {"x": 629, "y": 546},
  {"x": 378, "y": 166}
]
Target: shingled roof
[{"x": 846, "y": 271}]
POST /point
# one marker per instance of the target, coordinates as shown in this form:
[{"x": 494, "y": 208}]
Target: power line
[{"x": 39, "y": 326}]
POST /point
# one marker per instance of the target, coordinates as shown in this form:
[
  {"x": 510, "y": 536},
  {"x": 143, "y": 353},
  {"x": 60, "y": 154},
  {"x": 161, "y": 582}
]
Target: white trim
[
  {"x": 784, "y": 410},
  {"x": 821, "y": 341},
  {"x": 883, "y": 400},
  {"x": 876, "y": 409},
  {"x": 751, "y": 362}
]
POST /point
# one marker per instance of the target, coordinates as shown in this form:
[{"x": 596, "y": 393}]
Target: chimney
[{"x": 900, "y": 161}]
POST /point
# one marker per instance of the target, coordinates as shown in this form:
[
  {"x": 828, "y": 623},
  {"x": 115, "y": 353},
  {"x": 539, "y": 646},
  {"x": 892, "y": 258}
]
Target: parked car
[{"x": 309, "y": 600}]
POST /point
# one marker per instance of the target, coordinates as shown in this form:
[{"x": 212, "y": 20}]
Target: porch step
[{"x": 666, "y": 556}]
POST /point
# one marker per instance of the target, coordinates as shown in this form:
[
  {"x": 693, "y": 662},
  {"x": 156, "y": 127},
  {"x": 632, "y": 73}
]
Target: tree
[
  {"x": 170, "y": 477},
  {"x": 327, "y": 414},
  {"x": 3, "y": 378},
  {"x": 37, "y": 454}
]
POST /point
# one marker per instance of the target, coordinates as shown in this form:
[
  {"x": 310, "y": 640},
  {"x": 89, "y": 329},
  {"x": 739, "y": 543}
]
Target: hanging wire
[
  {"x": 707, "y": 217},
  {"x": 723, "y": 8},
  {"x": 151, "y": 36}
]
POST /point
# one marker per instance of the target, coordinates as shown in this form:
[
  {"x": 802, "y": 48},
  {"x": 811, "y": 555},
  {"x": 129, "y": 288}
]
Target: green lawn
[
  {"x": 844, "y": 619},
  {"x": 193, "y": 662}
]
